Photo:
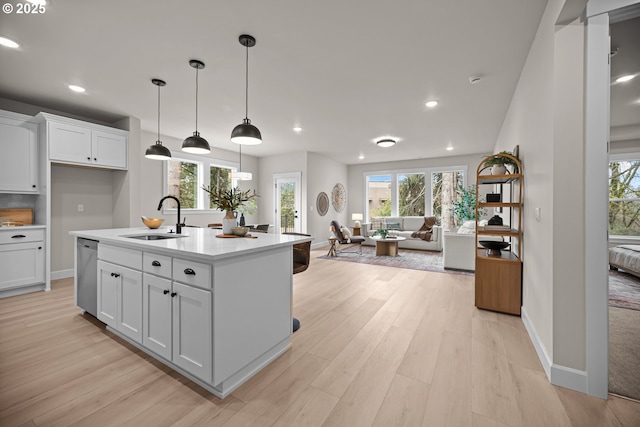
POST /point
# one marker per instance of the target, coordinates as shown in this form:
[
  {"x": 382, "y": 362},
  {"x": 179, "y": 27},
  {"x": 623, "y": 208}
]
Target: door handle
[
  {"x": 156, "y": 264},
  {"x": 189, "y": 271}
]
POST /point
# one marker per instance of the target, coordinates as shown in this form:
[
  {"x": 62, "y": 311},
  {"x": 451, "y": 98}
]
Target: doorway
[{"x": 287, "y": 202}]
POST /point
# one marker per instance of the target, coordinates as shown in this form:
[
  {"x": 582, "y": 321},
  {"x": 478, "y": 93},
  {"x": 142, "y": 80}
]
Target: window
[
  {"x": 379, "y": 195},
  {"x": 411, "y": 193},
  {"x": 185, "y": 175},
  {"x": 624, "y": 197}
]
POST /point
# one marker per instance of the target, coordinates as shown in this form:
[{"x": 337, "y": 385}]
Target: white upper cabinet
[
  {"x": 76, "y": 142},
  {"x": 19, "y": 148}
]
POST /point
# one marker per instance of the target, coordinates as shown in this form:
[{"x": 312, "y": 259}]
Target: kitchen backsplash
[{"x": 18, "y": 201}]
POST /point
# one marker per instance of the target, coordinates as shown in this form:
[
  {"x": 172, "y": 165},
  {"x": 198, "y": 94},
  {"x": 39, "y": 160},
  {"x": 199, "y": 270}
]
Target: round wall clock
[
  {"x": 338, "y": 197},
  {"x": 322, "y": 203}
]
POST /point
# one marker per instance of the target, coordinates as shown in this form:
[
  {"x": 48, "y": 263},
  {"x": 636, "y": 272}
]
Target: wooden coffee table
[{"x": 388, "y": 246}]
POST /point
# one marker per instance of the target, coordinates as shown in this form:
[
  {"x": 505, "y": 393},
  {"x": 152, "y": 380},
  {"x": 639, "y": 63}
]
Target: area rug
[
  {"x": 407, "y": 258},
  {"x": 624, "y": 347},
  {"x": 624, "y": 290}
]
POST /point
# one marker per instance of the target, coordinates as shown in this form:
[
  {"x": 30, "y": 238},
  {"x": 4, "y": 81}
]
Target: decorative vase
[
  {"x": 228, "y": 222},
  {"x": 242, "y": 220},
  {"x": 498, "y": 170}
]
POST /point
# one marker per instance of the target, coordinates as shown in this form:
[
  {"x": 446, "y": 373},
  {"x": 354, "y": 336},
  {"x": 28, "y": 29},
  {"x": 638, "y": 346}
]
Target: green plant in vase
[
  {"x": 498, "y": 163},
  {"x": 383, "y": 233},
  {"x": 465, "y": 207},
  {"x": 230, "y": 200}
]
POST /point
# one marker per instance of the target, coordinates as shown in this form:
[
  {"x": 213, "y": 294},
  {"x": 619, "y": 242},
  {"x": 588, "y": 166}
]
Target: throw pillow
[
  {"x": 346, "y": 233},
  {"x": 393, "y": 226},
  {"x": 377, "y": 223}
]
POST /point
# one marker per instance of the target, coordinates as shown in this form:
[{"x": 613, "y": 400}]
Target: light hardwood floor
[{"x": 378, "y": 346}]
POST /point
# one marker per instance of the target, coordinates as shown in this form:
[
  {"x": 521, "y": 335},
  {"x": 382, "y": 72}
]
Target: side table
[{"x": 356, "y": 231}]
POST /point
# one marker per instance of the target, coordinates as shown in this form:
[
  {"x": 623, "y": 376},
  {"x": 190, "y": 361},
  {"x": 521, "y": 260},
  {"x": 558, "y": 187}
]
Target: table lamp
[{"x": 357, "y": 217}]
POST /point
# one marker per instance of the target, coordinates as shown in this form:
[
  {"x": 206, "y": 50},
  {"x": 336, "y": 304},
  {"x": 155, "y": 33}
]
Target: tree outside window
[
  {"x": 624, "y": 198},
  {"x": 183, "y": 183},
  {"x": 411, "y": 193},
  {"x": 379, "y": 192},
  {"x": 219, "y": 179},
  {"x": 445, "y": 191}
]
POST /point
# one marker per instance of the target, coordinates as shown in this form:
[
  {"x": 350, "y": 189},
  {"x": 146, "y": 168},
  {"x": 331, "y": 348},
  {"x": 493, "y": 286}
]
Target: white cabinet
[
  {"x": 76, "y": 142},
  {"x": 21, "y": 258},
  {"x": 120, "y": 299},
  {"x": 19, "y": 148}
]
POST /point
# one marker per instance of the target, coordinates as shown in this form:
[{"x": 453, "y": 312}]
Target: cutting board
[{"x": 24, "y": 216}]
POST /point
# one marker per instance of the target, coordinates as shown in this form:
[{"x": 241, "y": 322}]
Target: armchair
[{"x": 343, "y": 240}]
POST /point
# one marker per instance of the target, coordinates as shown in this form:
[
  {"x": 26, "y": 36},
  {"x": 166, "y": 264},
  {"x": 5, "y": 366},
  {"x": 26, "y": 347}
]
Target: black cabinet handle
[
  {"x": 189, "y": 271},
  {"x": 116, "y": 275},
  {"x": 95, "y": 159},
  {"x": 39, "y": 247},
  {"x": 34, "y": 186},
  {"x": 173, "y": 294},
  {"x": 166, "y": 291},
  {"x": 156, "y": 264},
  {"x": 18, "y": 236},
  {"x": 88, "y": 158}
]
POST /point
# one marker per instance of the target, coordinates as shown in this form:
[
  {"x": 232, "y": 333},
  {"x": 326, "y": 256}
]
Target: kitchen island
[{"x": 217, "y": 310}]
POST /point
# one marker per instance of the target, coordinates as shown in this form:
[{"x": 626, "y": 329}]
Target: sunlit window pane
[
  {"x": 411, "y": 192},
  {"x": 624, "y": 198},
  {"x": 182, "y": 183},
  {"x": 379, "y": 192}
]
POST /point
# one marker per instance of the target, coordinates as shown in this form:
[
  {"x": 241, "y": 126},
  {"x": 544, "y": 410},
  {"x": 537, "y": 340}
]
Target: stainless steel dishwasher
[{"x": 87, "y": 270}]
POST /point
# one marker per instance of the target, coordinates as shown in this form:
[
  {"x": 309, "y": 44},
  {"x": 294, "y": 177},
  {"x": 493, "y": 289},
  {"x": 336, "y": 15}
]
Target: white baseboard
[
  {"x": 559, "y": 375},
  {"x": 61, "y": 274}
]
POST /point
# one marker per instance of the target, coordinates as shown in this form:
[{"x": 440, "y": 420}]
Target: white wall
[
  {"x": 267, "y": 167},
  {"x": 546, "y": 119},
  {"x": 324, "y": 174}
]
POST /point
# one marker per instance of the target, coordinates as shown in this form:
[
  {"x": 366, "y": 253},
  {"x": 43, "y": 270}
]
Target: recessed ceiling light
[
  {"x": 431, "y": 104},
  {"x": 78, "y": 89},
  {"x": 297, "y": 129},
  {"x": 8, "y": 43},
  {"x": 625, "y": 78},
  {"x": 449, "y": 148},
  {"x": 361, "y": 156}
]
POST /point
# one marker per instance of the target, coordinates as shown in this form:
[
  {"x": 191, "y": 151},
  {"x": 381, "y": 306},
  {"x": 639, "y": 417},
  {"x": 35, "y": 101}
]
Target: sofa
[
  {"x": 459, "y": 246},
  {"x": 403, "y": 226}
]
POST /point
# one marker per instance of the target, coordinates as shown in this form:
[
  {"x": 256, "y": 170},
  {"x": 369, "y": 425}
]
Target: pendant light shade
[
  {"x": 196, "y": 144},
  {"x": 158, "y": 151},
  {"x": 239, "y": 175},
  {"x": 246, "y": 133}
]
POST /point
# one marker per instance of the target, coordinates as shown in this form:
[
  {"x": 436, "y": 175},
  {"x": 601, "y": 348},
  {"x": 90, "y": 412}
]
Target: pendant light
[
  {"x": 246, "y": 133},
  {"x": 239, "y": 175},
  {"x": 196, "y": 144},
  {"x": 158, "y": 151}
]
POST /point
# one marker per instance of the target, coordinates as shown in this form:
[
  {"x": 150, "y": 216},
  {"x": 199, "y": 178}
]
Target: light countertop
[{"x": 197, "y": 242}]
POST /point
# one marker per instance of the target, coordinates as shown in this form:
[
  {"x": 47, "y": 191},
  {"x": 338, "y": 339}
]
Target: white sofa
[{"x": 406, "y": 226}]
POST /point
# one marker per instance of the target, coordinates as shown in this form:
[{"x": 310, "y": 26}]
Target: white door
[
  {"x": 107, "y": 293},
  {"x": 130, "y": 301},
  {"x": 19, "y": 162},
  {"x": 287, "y": 202}
]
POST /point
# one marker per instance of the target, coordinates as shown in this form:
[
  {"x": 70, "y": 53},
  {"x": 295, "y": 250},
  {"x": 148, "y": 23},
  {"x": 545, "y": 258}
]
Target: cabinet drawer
[
  {"x": 21, "y": 236},
  {"x": 122, "y": 256},
  {"x": 192, "y": 273},
  {"x": 160, "y": 265}
]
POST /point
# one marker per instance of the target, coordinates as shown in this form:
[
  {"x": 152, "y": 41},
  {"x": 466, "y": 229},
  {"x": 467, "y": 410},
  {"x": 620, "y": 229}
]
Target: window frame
[
  {"x": 204, "y": 176},
  {"x": 394, "y": 173},
  {"x": 621, "y": 157}
]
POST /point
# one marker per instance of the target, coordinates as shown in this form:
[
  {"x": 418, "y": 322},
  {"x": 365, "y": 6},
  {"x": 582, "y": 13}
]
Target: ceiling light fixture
[
  {"x": 239, "y": 175},
  {"x": 158, "y": 151},
  {"x": 626, "y": 78},
  {"x": 246, "y": 133},
  {"x": 8, "y": 43},
  {"x": 361, "y": 156},
  {"x": 386, "y": 142},
  {"x": 78, "y": 89},
  {"x": 475, "y": 79},
  {"x": 297, "y": 129},
  {"x": 449, "y": 148},
  {"x": 431, "y": 104},
  {"x": 196, "y": 144}
]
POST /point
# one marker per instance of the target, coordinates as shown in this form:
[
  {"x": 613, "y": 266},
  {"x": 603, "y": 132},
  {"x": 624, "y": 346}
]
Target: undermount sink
[{"x": 154, "y": 236}]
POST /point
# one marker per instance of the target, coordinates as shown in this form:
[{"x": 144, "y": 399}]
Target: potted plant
[
  {"x": 229, "y": 200},
  {"x": 498, "y": 163},
  {"x": 383, "y": 233}
]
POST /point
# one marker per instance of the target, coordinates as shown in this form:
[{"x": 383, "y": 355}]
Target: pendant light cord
[
  {"x": 158, "y": 113},
  {"x": 196, "y": 99},
  {"x": 240, "y": 165},
  {"x": 246, "y": 98}
]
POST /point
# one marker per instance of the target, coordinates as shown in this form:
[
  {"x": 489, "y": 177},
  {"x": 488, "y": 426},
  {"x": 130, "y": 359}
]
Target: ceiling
[{"x": 346, "y": 71}]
